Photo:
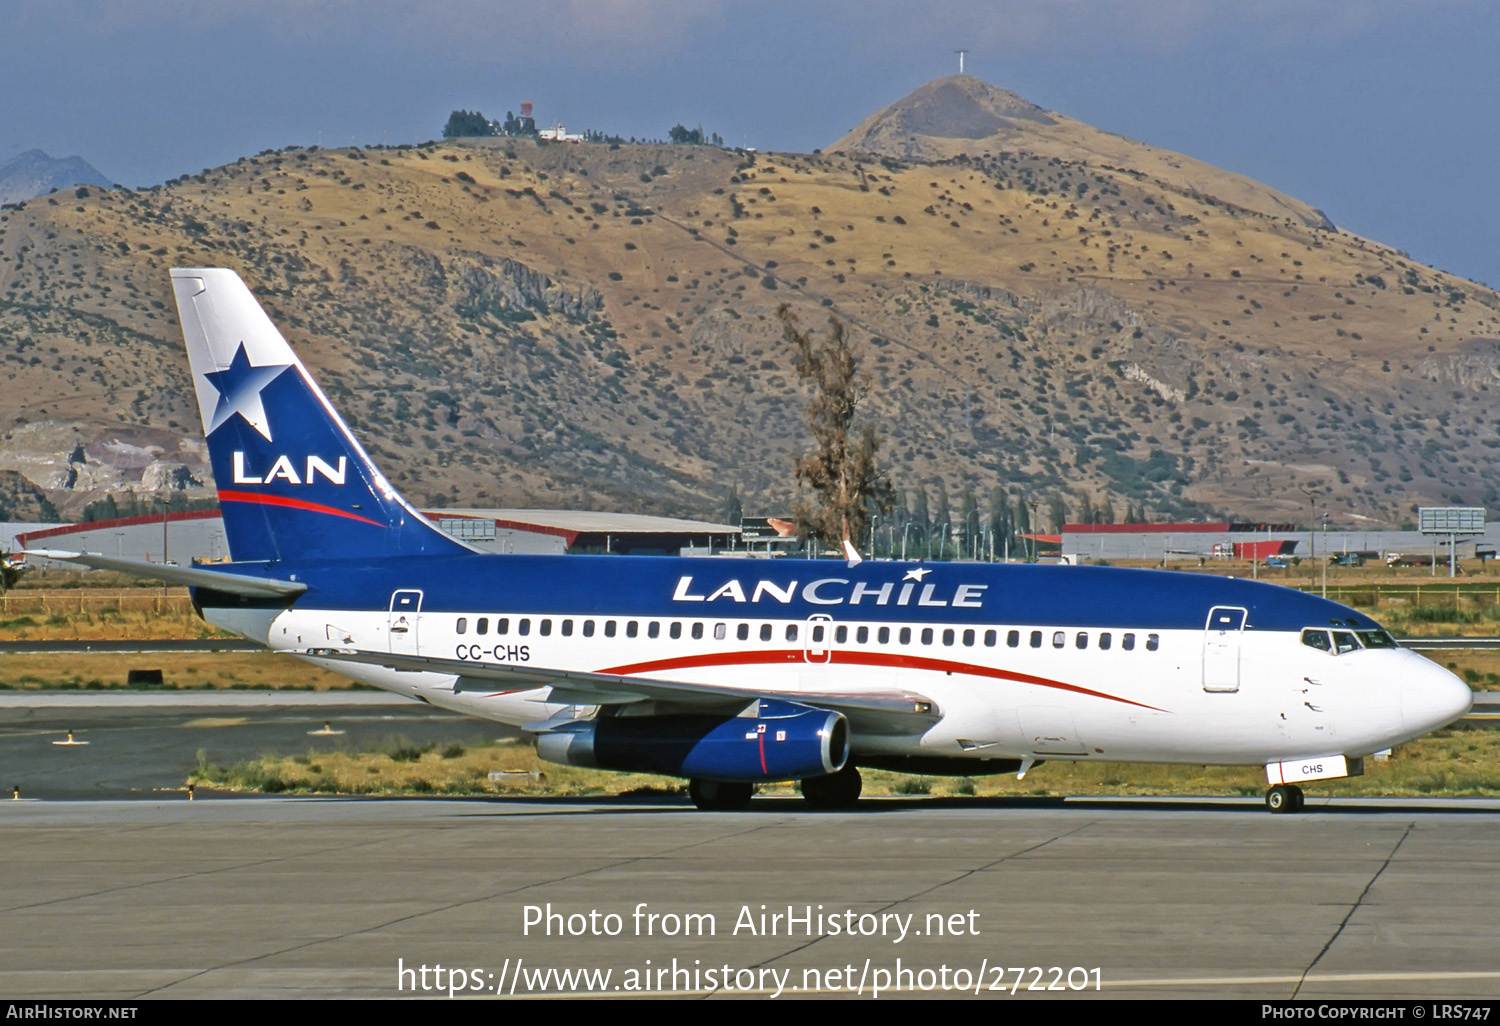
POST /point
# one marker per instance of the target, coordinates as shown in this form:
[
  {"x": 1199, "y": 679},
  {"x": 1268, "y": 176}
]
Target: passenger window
[
  {"x": 1317, "y": 640},
  {"x": 948, "y": 636},
  {"x": 482, "y": 625},
  {"x": 1012, "y": 639},
  {"x": 905, "y": 636},
  {"x": 546, "y": 628},
  {"x": 883, "y": 635},
  {"x": 676, "y": 629},
  {"x": 926, "y": 635},
  {"x": 743, "y": 632},
  {"x": 765, "y": 632},
  {"x": 841, "y": 634},
  {"x": 653, "y": 629},
  {"x": 567, "y": 628},
  {"x": 1059, "y": 639},
  {"x": 1036, "y": 639},
  {"x": 588, "y": 628},
  {"x": 697, "y": 631},
  {"x": 991, "y": 639},
  {"x": 817, "y": 632},
  {"x": 1343, "y": 641},
  {"x": 632, "y": 628},
  {"x": 1127, "y": 642},
  {"x": 791, "y": 632},
  {"x": 523, "y": 627},
  {"x": 1104, "y": 640},
  {"x": 502, "y": 625},
  {"x": 721, "y": 631},
  {"x": 609, "y": 628},
  {"x": 1082, "y": 641},
  {"x": 862, "y": 636},
  {"x": 463, "y": 624},
  {"x": 969, "y": 639},
  {"x": 1153, "y": 642}
]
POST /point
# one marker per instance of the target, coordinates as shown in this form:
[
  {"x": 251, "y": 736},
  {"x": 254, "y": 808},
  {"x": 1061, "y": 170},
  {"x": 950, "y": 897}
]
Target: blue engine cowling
[{"x": 771, "y": 740}]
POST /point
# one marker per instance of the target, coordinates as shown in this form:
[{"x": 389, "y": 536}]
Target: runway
[{"x": 1151, "y": 897}]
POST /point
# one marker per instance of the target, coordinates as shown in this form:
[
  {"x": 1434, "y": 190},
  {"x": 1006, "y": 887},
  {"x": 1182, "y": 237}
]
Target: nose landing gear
[{"x": 1284, "y": 798}]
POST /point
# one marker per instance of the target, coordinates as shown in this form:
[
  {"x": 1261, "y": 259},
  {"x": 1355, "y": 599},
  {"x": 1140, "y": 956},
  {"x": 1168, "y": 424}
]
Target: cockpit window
[
  {"x": 1376, "y": 639},
  {"x": 1343, "y": 641},
  {"x": 1316, "y": 639}
]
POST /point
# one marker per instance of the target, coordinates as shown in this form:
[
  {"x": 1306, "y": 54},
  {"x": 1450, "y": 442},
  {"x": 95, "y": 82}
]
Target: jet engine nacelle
[{"x": 771, "y": 740}]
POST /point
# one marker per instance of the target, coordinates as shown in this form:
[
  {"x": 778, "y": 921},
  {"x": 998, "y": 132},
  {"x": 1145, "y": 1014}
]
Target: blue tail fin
[{"x": 293, "y": 482}]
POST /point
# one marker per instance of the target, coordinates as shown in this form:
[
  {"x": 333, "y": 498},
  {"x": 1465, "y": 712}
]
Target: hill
[
  {"x": 964, "y": 116},
  {"x": 34, "y": 174},
  {"x": 586, "y": 325}
]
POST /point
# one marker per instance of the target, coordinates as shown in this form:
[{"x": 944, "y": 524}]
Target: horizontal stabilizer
[{"x": 189, "y": 576}]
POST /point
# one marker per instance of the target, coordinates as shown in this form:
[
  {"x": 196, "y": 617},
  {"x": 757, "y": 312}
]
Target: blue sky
[{"x": 1383, "y": 114}]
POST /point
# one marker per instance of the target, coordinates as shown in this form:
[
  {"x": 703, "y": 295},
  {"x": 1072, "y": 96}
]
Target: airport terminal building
[{"x": 1178, "y": 542}]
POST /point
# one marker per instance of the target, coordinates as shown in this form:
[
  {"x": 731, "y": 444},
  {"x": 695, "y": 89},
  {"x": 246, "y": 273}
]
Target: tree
[
  {"x": 732, "y": 509},
  {"x": 942, "y": 520},
  {"x": 681, "y": 134},
  {"x": 467, "y": 123},
  {"x": 841, "y": 467}
]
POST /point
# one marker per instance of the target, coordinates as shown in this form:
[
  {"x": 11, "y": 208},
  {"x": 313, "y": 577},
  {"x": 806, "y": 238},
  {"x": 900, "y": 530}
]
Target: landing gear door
[
  {"x": 1221, "y": 648},
  {"x": 406, "y": 609}
]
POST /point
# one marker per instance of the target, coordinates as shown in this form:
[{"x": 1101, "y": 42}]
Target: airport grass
[
  {"x": 110, "y": 613},
  {"x": 1459, "y": 761},
  {"x": 180, "y": 671}
]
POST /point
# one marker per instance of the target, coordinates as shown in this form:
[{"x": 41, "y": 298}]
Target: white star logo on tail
[
  {"x": 916, "y": 575},
  {"x": 239, "y": 387}
]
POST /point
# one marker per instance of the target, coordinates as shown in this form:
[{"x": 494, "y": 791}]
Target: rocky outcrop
[{"x": 508, "y": 284}]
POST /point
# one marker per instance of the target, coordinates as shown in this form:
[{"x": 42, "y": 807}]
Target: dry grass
[
  {"x": 223, "y": 670},
  {"x": 399, "y": 767},
  {"x": 93, "y": 613}
]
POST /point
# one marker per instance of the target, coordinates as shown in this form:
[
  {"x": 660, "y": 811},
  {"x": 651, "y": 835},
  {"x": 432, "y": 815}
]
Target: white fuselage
[{"x": 1006, "y": 692}]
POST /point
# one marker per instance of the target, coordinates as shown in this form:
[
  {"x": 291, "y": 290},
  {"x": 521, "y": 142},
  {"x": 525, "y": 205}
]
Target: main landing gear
[
  {"x": 717, "y": 796},
  {"x": 836, "y": 791},
  {"x": 1284, "y": 798}
]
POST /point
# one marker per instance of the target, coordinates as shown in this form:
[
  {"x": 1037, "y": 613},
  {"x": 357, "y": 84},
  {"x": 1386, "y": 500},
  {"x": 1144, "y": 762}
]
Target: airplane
[{"x": 733, "y": 673}]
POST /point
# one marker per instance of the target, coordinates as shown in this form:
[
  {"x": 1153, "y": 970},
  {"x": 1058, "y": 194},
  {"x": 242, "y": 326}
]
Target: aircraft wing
[
  {"x": 190, "y": 576},
  {"x": 900, "y": 712}
]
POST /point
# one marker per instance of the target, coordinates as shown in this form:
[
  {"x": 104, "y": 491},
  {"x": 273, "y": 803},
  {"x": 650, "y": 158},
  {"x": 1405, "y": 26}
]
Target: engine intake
[{"x": 771, "y": 740}]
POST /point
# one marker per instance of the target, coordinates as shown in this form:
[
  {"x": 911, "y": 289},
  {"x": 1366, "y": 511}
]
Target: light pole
[
  {"x": 1325, "y": 554},
  {"x": 1312, "y": 504},
  {"x": 972, "y": 533},
  {"x": 904, "y": 531}
]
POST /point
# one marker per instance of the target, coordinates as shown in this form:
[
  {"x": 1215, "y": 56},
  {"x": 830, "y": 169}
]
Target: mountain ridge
[
  {"x": 513, "y": 323},
  {"x": 34, "y": 174}
]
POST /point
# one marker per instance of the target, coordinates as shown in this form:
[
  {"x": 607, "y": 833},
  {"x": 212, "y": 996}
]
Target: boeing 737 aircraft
[{"x": 732, "y": 673}]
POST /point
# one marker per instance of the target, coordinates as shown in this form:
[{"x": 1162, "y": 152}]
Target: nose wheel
[{"x": 1284, "y": 798}]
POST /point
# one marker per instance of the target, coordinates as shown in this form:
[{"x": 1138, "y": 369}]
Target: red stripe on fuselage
[
  {"x": 286, "y": 503},
  {"x": 858, "y": 658}
]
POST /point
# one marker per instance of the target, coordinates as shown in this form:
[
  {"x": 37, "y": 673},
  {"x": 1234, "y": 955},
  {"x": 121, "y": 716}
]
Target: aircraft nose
[{"x": 1431, "y": 697}]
